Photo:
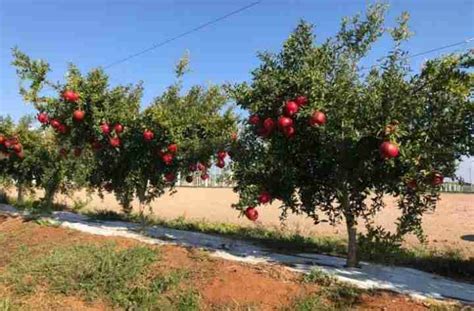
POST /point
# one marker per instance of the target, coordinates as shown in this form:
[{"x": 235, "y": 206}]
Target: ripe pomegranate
[
  {"x": 301, "y": 100},
  {"x": 264, "y": 197},
  {"x": 254, "y": 119},
  {"x": 170, "y": 177},
  {"x": 388, "y": 150},
  {"x": 269, "y": 124},
  {"x": 289, "y": 132},
  {"x": 220, "y": 163},
  {"x": 118, "y": 128},
  {"x": 17, "y": 147},
  {"x": 204, "y": 176},
  {"x": 62, "y": 128},
  {"x": 108, "y": 187},
  {"x": 189, "y": 179},
  {"x": 8, "y": 143},
  {"x": 284, "y": 122},
  {"x": 2, "y": 139},
  {"x": 78, "y": 115},
  {"x": 437, "y": 180},
  {"x": 63, "y": 152},
  {"x": 55, "y": 123},
  {"x": 20, "y": 155},
  {"x": 43, "y": 118},
  {"x": 201, "y": 167},
  {"x": 96, "y": 145},
  {"x": 114, "y": 142},
  {"x": 262, "y": 132},
  {"x": 167, "y": 158},
  {"x": 105, "y": 128},
  {"x": 77, "y": 152},
  {"x": 148, "y": 135},
  {"x": 318, "y": 118},
  {"x": 70, "y": 96},
  {"x": 412, "y": 184},
  {"x": 221, "y": 154},
  {"x": 291, "y": 108},
  {"x": 173, "y": 148},
  {"x": 251, "y": 213}
]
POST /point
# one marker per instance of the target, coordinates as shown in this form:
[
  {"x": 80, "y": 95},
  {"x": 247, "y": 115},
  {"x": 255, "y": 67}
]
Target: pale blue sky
[{"x": 93, "y": 33}]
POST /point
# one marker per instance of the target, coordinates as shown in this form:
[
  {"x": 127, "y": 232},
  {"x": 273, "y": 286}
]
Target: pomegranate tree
[
  {"x": 122, "y": 149},
  {"x": 29, "y": 159},
  {"x": 346, "y": 137}
]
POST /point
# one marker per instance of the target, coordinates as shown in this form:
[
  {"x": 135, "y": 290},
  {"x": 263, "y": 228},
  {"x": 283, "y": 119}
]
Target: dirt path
[
  {"x": 451, "y": 226},
  {"x": 222, "y": 285}
]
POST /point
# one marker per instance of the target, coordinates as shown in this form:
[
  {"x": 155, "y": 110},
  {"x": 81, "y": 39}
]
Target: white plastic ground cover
[{"x": 408, "y": 281}]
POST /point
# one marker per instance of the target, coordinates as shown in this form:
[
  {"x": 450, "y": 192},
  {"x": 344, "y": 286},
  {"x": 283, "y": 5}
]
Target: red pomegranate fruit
[
  {"x": 148, "y": 135},
  {"x": 269, "y": 124},
  {"x": 43, "y": 118},
  {"x": 70, "y": 96},
  {"x": 167, "y": 158},
  {"x": 170, "y": 177},
  {"x": 437, "y": 180},
  {"x": 291, "y": 108},
  {"x": 254, "y": 119},
  {"x": 221, "y": 154},
  {"x": 264, "y": 197},
  {"x": 388, "y": 150},
  {"x": 220, "y": 163},
  {"x": 284, "y": 122},
  {"x": 105, "y": 128},
  {"x": 317, "y": 118},
  {"x": 251, "y": 213},
  {"x": 114, "y": 142},
  {"x": 78, "y": 115},
  {"x": 289, "y": 132},
  {"x": 173, "y": 148},
  {"x": 301, "y": 100},
  {"x": 118, "y": 128}
]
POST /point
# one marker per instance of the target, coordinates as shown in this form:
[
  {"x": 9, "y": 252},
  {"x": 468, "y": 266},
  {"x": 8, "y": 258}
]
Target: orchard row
[{"x": 324, "y": 137}]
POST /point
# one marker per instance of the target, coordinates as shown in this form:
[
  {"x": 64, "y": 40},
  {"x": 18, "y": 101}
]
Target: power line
[
  {"x": 160, "y": 44},
  {"x": 426, "y": 52}
]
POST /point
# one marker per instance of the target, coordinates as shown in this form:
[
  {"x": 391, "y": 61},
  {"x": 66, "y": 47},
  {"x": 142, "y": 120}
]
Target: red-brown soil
[{"x": 221, "y": 284}]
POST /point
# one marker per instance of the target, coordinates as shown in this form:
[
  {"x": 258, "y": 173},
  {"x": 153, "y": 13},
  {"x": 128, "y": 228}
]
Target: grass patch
[
  {"x": 334, "y": 295},
  {"x": 188, "y": 301},
  {"x": 343, "y": 295},
  {"x": 320, "y": 277},
  {"x": 5, "y": 304},
  {"x": 121, "y": 277},
  {"x": 36, "y": 207},
  {"x": 450, "y": 262}
]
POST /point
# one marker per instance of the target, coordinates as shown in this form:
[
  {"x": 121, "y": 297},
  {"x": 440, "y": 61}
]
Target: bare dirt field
[
  {"x": 451, "y": 226},
  {"x": 220, "y": 284}
]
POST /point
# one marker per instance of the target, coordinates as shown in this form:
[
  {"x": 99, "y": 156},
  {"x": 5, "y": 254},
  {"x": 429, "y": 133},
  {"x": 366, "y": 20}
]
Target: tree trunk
[
  {"x": 20, "y": 194},
  {"x": 127, "y": 206},
  {"x": 49, "y": 198},
  {"x": 352, "y": 260}
]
